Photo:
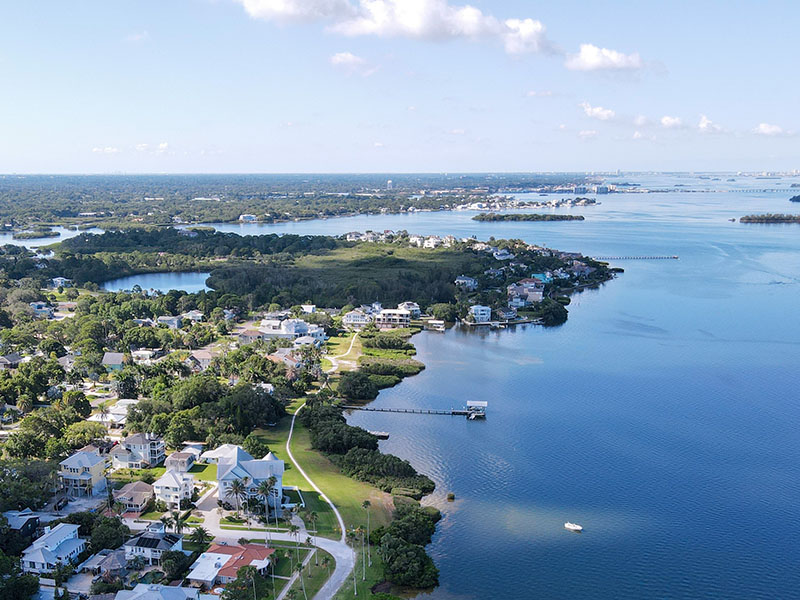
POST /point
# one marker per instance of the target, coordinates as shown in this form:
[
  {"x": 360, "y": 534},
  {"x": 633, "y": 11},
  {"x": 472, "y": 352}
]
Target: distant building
[
  {"x": 481, "y": 314},
  {"x": 170, "y": 321},
  {"x": 393, "y": 318},
  {"x": 113, "y": 361},
  {"x": 290, "y": 329},
  {"x": 201, "y": 359},
  {"x": 139, "y": 451},
  {"x": 525, "y": 292},
  {"x": 42, "y": 310},
  {"x": 25, "y": 522},
  {"x": 248, "y": 218},
  {"x": 10, "y": 361},
  {"x": 195, "y": 316},
  {"x": 153, "y": 591},
  {"x": 308, "y": 308},
  {"x": 58, "y": 282},
  {"x": 58, "y": 546},
  {"x": 249, "y": 336},
  {"x": 466, "y": 283}
]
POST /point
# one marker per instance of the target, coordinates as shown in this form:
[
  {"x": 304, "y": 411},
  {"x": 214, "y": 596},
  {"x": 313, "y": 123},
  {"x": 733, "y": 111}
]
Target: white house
[
  {"x": 42, "y": 310},
  {"x": 170, "y": 322},
  {"x": 411, "y": 307},
  {"x": 466, "y": 283},
  {"x": 154, "y": 591},
  {"x": 61, "y": 282},
  {"x": 225, "y": 451},
  {"x": 393, "y": 318},
  {"x": 525, "y": 292},
  {"x": 240, "y": 465},
  {"x": 152, "y": 543},
  {"x": 220, "y": 564},
  {"x": 172, "y": 487},
  {"x": 290, "y": 329},
  {"x": 201, "y": 358},
  {"x": 356, "y": 319},
  {"x": 481, "y": 314},
  {"x": 59, "y": 545},
  {"x": 138, "y": 451},
  {"x": 180, "y": 461},
  {"x": 195, "y": 316}
]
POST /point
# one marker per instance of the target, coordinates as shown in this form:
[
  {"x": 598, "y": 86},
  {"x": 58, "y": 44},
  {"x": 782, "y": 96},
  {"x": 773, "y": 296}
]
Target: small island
[
  {"x": 770, "y": 218},
  {"x": 525, "y": 217},
  {"x": 795, "y": 198},
  {"x": 35, "y": 234}
]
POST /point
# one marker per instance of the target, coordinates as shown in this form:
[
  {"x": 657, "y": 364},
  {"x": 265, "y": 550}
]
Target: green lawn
[
  {"x": 285, "y": 564},
  {"x": 128, "y": 475},
  {"x": 153, "y": 515},
  {"x": 202, "y": 472},
  {"x": 314, "y": 576}
]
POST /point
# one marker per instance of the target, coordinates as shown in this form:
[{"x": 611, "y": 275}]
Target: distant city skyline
[{"x": 392, "y": 86}]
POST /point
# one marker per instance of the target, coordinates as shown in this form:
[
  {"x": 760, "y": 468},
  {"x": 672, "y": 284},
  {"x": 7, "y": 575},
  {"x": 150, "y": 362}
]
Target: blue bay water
[
  {"x": 663, "y": 416},
  {"x": 163, "y": 282}
]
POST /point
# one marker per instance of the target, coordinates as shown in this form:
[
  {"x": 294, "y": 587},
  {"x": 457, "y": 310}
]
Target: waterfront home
[
  {"x": 10, "y": 361},
  {"x": 170, "y": 321},
  {"x": 246, "y": 218},
  {"x": 525, "y": 292},
  {"x": 393, "y": 318},
  {"x": 42, "y": 310},
  {"x": 416, "y": 240},
  {"x": 152, "y": 543},
  {"x": 543, "y": 277},
  {"x": 180, "y": 461},
  {"x": 58, "y": 282},
  {"x": 506, "y": 314},
  {"x": 468, "y": 284},
  {"x": 580, "y": 269},
  {"x": 480, "y": 313},
  {"x": 290, "y": 329},
  {"x": 134, "y": 496},
  {"x": 220, "y": 564},
  {"x": 172, "y": 487},
  {"x": 241, "y": 465},
  {"x": 25, "y": 522},
  {"x": 249, "y": 336},
  {"x": 356, "y": 319},
  {"x": 432, "y": 241},
  {"x": 411, "y": 307},
  {"x": 58, "y": 546},
  {"x": 153, "y": 591},
  {"x": 82, "y": 474},
  {"x": 113, "y": 361},
  {"x": 139, "y": 451}
]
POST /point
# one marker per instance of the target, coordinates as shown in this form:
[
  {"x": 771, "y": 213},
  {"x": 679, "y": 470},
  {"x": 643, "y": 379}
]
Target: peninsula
[{"x": 491, "y": 217}]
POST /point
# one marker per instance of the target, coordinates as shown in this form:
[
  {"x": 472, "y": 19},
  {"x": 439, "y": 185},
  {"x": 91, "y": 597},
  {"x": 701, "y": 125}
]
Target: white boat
[{"x": 573, "y": 527}]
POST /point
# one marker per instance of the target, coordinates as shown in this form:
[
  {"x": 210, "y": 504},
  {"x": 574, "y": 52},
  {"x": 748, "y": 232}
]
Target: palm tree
[
  {"x": 25, "y": 403},
  {"x": 299, "y": 568},
  {"x": 166, "y": 522},
  {"x": 200, "y": 536},
  {"x": 178, "y": 522},
  {"x": 308, "y": 543},
  {"x": 351, "y": 540},
  {"x": 313, "y": 518},
  {"x": 293, "y": 530},
  {"x": 366, "y": 505},
  {"x": 103, "y": 411},
  {"x": 264, "y": 490},
  {"x": 360, "y": 533},
  {"x": 326, "y": 562},
  {"x": 273, "y": 481},
  {"x": 237, "y": 490}
]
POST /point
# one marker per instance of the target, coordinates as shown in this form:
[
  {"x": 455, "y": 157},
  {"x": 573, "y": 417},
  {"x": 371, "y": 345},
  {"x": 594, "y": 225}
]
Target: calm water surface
[
  {"x": 163, "y": 282},
  {"x": 663, "y": 416}
]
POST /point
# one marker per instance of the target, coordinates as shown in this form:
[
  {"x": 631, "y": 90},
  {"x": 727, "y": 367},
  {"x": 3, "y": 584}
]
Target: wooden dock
[
  {"x": 672, "y": 257},
  {"x": 473, "y": 410}
]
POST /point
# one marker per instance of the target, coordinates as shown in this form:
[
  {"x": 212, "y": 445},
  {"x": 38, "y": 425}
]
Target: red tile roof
[{"x": 241, "y": 556}]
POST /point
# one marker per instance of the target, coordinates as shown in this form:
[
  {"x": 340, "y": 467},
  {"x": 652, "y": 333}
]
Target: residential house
[
  {"x": 433, "y": 241},
  {"x": 24, "y": 522},
  {"x": 195, "y": 316},
  {"x": 67, "y": 362},
  {"x": 480, "y": 314},
  {"x": 172, "y": 487},
  {"x": 240, "y": 465},
  {"x": 42, "y": 310},
  {"x": 134, "y": 496},
  {"x": 468, "y": 284},
  {"x": 180, "y": 461},
  {"x": 525, "y": 292},
  {"x": 220, "y": 564},
  {"x": 153, "y": 591},
  {"x": 308, "y": 308},
  {"x": 144, "y": 322},
  {"x": 152, "y": 543},
  {"x": 290, "y": 329},
  {"x": 58, "y": 282},
  {"x": 411, "y": 307},
  {"x": 224, "y": 452},
  {"x": 58, "y": 546},
  {"x": 287, "y": 356},
  {"x": 503, "y": 255},
  {"x": 416, "y": 240},
  {"x": 139, "y": 451},
  {"x": 248, "y": 218},
  {"x": 356, "y": 319},
  {"x": 117, "y": 414},
  {"x": 249, "y": 336},
  {"x": 393, "y": 318},
  {"x": 10, "y": 361},
  {"x": 307, "y": 340},
  {"x": 543, "y": 277},
  {"x": 113, "y": 361},
  {"x": 170, "y": 321},
  {"x": 106, "y": 562},
  {"x": 82, "y": 474},
  {"x": 200, "y": 359},
  {"x": 506, "y": 314}
]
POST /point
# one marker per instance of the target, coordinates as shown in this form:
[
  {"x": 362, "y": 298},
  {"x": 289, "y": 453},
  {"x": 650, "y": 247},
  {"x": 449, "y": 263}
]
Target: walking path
[{"x": 334, "y": 359}]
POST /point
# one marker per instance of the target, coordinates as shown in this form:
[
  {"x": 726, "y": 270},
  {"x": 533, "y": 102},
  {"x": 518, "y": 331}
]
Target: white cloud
[
  {"x": 105, "y": 150},
  {"x": 638, "y": 135},
  {"x": 162, "y": 148},
  {"x": 540, "y": 94},
  {"x": 414, "y": 19},
  {"x": 592, "y": 58},
  {"x": 377, "y": 144},
  {"x": 587, "y": 134},
  {"x": 671, "y": 122},
  {"x": 457, "y": 132},
  {"x": 769, "y": 130},
  {"x": 142, "y": 147},
  {"x": 350, "y": 63},
  {"x": 139, "y": 36},
  {"x": 706, "y": 125},
  {"x": 641, "y": 121},
  {"x": 411, "y": 108},
  {"x": 597, "y": 112}
]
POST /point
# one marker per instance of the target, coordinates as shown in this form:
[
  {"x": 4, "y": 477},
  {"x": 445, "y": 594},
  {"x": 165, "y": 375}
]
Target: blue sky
[{"x": 397, "y": 85}]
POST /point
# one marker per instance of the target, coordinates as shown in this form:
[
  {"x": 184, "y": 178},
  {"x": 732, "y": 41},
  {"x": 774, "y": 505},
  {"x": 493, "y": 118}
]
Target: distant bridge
[{"x": 673, "y": 257}]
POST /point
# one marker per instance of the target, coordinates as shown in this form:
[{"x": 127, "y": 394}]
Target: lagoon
[
  {"x": 64, "y": 234},
  {"x": 162, "y": 282}
]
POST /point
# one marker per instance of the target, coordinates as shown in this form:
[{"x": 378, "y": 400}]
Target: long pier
[
  {"x": 673, "y": 257},
  {"x": 461, "y": 412}
]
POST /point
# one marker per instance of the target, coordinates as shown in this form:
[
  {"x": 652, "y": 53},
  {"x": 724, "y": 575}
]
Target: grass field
[
  {"x": 204, "y": 472},
  {"x": 314, "y": 576}
]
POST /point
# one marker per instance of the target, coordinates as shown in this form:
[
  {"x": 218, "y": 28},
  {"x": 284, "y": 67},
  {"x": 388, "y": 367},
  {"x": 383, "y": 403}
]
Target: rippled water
[
  {"x": 163, "y": 282},
  {"x": 663, "y": 416}
]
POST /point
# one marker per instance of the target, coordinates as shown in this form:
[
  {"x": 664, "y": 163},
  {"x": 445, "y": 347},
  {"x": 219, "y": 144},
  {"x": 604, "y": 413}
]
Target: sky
[{"x": 275, "y": 86}]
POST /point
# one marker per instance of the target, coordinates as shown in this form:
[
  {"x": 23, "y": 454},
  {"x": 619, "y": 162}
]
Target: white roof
[
  {"x": 173, "y": 479},
  {"x": 152, "y": 591},
  {"x": 207, "y": 566},
  {"x": 225, "y": 451}
]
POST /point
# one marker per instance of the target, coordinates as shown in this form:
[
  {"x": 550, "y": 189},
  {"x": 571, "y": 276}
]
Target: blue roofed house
[{"x": 238, "y": 464}]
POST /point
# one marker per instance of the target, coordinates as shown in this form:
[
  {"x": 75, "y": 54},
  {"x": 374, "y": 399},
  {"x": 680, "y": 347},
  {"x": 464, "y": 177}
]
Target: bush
[
  {"x": 385, "y": 471},
  {"x": 384, "y": 381},
  {"x": 356, "y": 385}
]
